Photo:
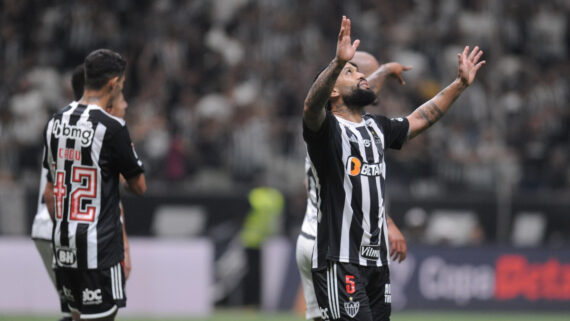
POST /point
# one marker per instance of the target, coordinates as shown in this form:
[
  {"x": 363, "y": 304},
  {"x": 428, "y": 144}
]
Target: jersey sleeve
[
  {"x": 124, "y": 153},
  {"x": 395, "y": 130},
  {"x": 315, "y": 137},
  {"x": 45, "y": 158}
]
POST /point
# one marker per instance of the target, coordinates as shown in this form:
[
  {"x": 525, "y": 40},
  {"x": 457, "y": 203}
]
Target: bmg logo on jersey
[
  {"x": 92, "y": 296},
  {"x": 66, "y": 256},
  {"x": 355, "y": 167},
  {"x": 82, "y": 131}
]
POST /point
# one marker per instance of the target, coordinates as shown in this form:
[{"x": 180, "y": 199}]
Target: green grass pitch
[{"x": 245, "y": 315}]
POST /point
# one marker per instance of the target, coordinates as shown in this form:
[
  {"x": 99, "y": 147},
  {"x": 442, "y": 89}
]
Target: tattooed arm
[
  {"x": 431, "y": 111},
  {"x": 319, "y": 94}
]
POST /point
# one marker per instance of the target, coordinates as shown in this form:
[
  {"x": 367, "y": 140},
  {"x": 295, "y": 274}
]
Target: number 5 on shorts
[{"x": 350, "y": 285}]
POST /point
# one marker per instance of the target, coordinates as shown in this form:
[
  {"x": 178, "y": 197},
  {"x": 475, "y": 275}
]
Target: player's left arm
[
  {"x": 398, "y": 247},
  {"x": 48, "y": 198},
  {"x": 127, "y": 260},
  {"x": 431, "y": 111},
  {"x": 390, "y": 69}
]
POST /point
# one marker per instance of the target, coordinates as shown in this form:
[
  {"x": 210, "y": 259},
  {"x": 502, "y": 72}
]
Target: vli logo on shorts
[
  {"x": 92, "y": 296},
  {"x": 351, "y": 307}
]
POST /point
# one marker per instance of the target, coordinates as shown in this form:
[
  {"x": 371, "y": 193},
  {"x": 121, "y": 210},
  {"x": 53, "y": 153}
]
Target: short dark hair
[
  {"x": 78, "y": 81},
  {"x": 102, "y": 65}
]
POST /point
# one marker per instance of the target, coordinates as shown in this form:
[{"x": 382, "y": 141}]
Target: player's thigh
[
  {"x": 379, "y": 293},
  {"x": 95, "y": 294},
  {"x": 341, "y": 293},
  {"x": 304, "y": 250}
]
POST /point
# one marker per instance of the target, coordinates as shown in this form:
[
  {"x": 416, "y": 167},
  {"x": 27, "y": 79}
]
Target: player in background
[
  {"x": 346, "y": 149},
  {"x": 42, "y": 226},
  {"x": 375, "y": 74},
  {"x": 118, "y": 109},
  {"x": 86, "y": 150}
]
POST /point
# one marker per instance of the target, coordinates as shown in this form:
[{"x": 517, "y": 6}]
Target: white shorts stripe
[
  {"x": 329, "y": 290},
  {"x": 99, "y": 315},
  {"x": 113, "y": 282},
  {"x": 335, "y": 284},
  {"x": 333, "y": 291},
  {"x": 120, "y": 281}
]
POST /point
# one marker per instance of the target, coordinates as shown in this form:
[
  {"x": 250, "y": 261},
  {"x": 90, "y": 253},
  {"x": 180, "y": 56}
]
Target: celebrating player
[
  {"x": 376, "y": 75},
  {"x": 346, "y": 148}
]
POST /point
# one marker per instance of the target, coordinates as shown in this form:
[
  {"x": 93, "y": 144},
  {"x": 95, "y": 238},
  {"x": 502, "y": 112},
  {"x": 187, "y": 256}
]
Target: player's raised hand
[
  {"x": 396, "y": 69},
  {"x": 345, "y": 49},
  {"x": 469, "y": 64}
]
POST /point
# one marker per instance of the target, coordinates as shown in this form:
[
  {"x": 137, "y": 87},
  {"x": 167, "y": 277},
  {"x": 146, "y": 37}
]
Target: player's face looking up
[{"x": 353, "y": 87}]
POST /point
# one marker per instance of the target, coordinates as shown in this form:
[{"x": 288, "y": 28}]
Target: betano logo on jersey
[
  {"x": 354, "y": 167},
  {"x": 82, "y": 131}
]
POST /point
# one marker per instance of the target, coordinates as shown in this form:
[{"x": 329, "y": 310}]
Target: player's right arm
[
  {"x": 137, "y": 184},
  {"x": 315, "y": 102}
]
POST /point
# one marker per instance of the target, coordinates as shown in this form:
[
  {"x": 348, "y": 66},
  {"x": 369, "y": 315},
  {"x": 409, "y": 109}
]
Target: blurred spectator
[{"x": 217, "y": 86}]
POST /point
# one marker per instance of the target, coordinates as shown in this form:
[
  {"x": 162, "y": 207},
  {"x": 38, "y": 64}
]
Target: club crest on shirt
[{"x": 351, "y": 308}]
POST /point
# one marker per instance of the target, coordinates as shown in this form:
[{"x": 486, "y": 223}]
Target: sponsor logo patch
[
  {"x": 82, "y": 131},
  {"x": 92, "y": 296},
  {"x": 354, "y": 167},
  {"x": 67, "y": 294},
  {"x": 324, "y": 313},
  {"x": 66, "y": 256},
  {"x": 370, "y": 252}
]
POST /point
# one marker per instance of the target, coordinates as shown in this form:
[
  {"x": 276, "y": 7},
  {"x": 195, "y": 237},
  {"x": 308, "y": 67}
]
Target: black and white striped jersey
[
  {"x": 309, "y": 227},
  {"x": 85, "y": 150},
  {"x": 348, "y": 159}
]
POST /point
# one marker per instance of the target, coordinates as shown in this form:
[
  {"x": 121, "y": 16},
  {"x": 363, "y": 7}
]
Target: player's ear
[{"x": 113, "y": 82}]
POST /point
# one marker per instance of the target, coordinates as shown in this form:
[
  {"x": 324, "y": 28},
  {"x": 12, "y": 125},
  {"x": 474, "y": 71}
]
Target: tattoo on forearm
[
  {"x": 320, "y": 90},
  {"x": 431, "y": 113},
  {"x": 424, "y": 115},
  {"x": 443, "y": 93}
]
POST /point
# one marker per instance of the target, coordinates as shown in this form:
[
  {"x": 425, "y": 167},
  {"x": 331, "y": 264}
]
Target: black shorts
[
  {"x": 62, "y": 300},
  {"x": 93, "y": 293},
  {"x": 348, "y": 291}
]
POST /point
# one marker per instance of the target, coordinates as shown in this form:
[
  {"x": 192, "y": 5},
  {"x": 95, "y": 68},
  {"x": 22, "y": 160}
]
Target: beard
[{"x": 359, "y": 98}]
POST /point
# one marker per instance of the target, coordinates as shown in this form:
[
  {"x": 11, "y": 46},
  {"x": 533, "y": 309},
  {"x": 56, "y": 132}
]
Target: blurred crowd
[{"x": 216, "y": 87}]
